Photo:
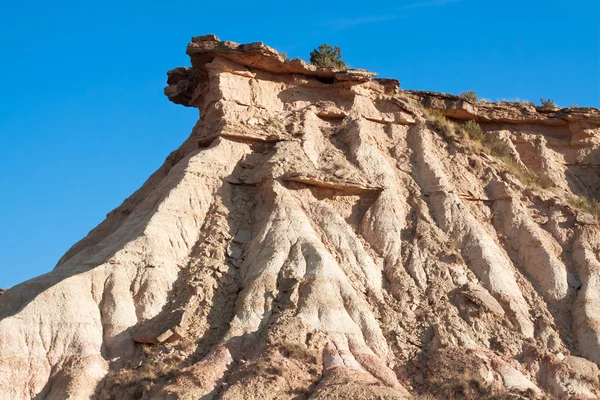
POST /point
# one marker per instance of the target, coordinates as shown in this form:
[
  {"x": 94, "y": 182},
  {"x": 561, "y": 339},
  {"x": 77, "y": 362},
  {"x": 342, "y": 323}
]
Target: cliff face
[{"x": 316, "y": 236}]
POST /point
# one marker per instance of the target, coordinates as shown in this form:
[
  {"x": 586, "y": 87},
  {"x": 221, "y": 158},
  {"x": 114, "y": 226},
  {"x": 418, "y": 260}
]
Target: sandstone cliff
[{"x": 319, "y": 236}]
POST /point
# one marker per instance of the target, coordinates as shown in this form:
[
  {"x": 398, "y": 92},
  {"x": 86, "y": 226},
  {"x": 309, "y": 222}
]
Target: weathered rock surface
[{"x": 316, "y": 237}]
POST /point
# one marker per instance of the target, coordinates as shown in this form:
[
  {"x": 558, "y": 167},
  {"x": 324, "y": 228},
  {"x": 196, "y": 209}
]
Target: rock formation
[{"x": 318, "y": 237}]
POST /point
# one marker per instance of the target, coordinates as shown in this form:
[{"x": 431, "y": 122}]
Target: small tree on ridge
[
  {"x": 327, "y": 56},
  {"x": 547, "y": 103},
  {"x": 469, "y": 95}
]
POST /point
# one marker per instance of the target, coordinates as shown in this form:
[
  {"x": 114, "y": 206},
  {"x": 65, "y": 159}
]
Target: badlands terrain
[{"x": 324, "y": 234}]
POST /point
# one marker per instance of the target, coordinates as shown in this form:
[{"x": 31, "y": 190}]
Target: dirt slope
[{"x": 324, "y": 234}]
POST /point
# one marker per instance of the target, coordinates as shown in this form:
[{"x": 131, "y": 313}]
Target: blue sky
[{"x": 83, "y": 120}]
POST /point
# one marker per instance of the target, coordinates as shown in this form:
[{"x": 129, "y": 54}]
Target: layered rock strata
[{"x": 317, "y": 237}]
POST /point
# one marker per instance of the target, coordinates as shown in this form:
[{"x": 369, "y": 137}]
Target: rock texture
[{"x": 316, "y": 237}]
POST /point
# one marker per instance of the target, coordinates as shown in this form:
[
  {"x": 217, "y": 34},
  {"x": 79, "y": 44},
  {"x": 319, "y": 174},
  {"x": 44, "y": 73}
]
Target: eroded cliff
[{"x": 319, "y": 236}]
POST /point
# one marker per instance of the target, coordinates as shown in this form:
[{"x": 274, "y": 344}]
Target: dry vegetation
[
  {"x": 469, "y": 95},
  {"x": 476, "y": 139},
  {"x": 299, "y": 351},
  {"x": 590, "y": 206},
  {"x": 442, "y": 124},
  {"x": 265, "y": 367},
  {"x": 135, "y": 381},
  {"x": 467, "y": 388}
]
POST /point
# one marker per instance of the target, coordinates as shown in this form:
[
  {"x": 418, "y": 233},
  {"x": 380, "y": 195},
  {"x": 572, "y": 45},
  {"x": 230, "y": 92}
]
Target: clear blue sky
[{"x": 83, "y": 121}]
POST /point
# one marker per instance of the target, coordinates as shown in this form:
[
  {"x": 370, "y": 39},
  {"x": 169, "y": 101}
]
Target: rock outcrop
[{"x": 316, "y": 236}]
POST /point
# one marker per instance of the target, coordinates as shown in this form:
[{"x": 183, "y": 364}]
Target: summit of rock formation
[{"x": 324, "y": 234}]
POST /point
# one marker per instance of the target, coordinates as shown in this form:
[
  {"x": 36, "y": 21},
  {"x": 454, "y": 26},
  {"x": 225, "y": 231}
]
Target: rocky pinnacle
[{"x": 319, "y": 236}]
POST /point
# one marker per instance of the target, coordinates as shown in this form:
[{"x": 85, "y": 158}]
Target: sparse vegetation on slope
[
  {"x": 466, "y": 387},
  {"x": 136, "y": 381},
  {"x": 442, "y": 124},
  {"x": 490, "y": 144},
  {"x": 586, "y": 205},
  {"x": 525, "y": 175},
  {"x": 474, "y": 131}
]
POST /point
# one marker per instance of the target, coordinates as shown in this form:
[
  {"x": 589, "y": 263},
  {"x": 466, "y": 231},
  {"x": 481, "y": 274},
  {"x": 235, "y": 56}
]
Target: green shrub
[
  {"x": 283, "y": 55},
  {"x": 496, "y": 146},
  {"x": 547, "y": 103},
  {"x": 327, "y": 56},
  {"x": 469, "y": 95},
  {"x": 492, "y": 144},
  {"x": 473, "y": 131}
]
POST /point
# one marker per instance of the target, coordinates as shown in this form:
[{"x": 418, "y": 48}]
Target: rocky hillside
[{"x": 324, "y": 234}]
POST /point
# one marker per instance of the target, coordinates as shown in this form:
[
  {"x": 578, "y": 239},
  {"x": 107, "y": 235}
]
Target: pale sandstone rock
[
  {"x": 316, "y": 238},
  {"x": 514, "y": 379},
  {"x": 572, "y": 377}
]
